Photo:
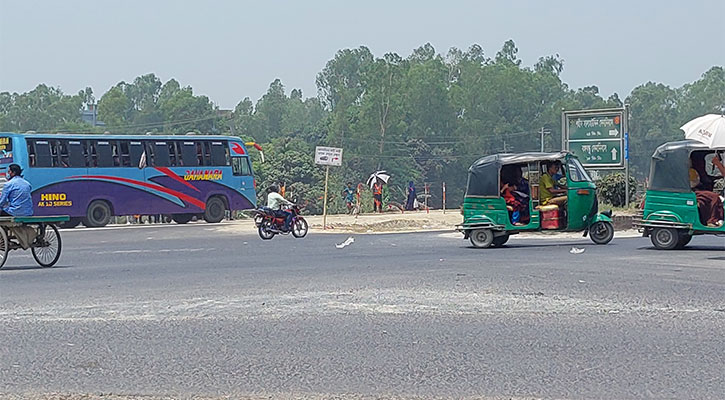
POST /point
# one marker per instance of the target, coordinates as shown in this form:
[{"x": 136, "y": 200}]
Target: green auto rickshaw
[
  {"x": 489, "y": 219},
  {"x": 670, "y": 216}
]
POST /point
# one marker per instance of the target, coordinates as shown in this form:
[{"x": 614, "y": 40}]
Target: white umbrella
[
  {"x": 708, "y": 129},
  {"x": 378, "y": 176}
]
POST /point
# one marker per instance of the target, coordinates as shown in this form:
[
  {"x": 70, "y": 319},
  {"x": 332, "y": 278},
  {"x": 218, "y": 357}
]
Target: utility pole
[{"x": 543, "y": 132}]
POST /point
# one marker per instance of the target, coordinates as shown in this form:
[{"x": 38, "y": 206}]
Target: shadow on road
[
  {"x": 32, "y": 267},
  {"x": 693, "y": 249}
]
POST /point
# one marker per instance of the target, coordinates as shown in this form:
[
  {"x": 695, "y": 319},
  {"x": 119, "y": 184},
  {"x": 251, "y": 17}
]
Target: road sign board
[
  {"x": 328, "y": 156},
  {"x": 601, "y": 153},
  {"x": 596, "y": 137}
]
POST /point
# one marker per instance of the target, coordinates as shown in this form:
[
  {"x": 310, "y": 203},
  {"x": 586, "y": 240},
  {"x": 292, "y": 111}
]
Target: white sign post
[{"x": 327, "y": 156}]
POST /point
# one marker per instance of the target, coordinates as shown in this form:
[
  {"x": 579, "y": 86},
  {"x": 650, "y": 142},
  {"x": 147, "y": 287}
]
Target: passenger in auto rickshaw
[
  {"x": 549, "y": 190},
  {"x": 515, "y": 191},
  {"x": 709, "y": 203}
]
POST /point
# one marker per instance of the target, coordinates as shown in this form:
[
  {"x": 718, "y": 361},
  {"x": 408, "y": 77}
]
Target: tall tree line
[{"x": 423, "y": 118}]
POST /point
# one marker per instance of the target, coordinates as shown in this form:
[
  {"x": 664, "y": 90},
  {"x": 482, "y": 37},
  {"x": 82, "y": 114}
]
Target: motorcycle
[{"x": 269, "y": 224}]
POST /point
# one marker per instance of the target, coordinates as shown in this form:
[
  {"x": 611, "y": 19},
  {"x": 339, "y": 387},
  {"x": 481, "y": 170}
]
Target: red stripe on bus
[
  {"x": 175, "y": 177},
  {"x": 166, "y": 190}
]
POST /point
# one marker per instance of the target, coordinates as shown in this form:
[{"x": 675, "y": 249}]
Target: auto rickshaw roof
[
  {"x": 685, "y": 146},
  {"x": 669, "y": 170},
  {"x": 483, "y": 175},
  {"x": 516, "y": 158}
]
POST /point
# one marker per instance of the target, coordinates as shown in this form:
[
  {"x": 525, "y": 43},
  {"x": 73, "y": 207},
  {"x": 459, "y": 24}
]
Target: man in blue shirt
[{"x": 15, "y": 199}]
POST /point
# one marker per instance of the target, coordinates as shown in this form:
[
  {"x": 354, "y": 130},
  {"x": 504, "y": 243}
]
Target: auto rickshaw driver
[{"x": 550, "y": 191}]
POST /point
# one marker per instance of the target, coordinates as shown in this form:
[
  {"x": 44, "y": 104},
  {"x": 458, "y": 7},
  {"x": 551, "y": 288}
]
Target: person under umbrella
[
  {"x": 376, "y": 181},
  {"x": 378, "y": 197}
]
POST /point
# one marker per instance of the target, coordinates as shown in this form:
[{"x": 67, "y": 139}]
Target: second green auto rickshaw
[
  {"x": 511, "y": 193},
  {"x": 671, "y": 215}
]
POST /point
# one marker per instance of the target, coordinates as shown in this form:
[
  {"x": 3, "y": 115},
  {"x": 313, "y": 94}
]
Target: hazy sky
[{"x": 228, "y": 50}]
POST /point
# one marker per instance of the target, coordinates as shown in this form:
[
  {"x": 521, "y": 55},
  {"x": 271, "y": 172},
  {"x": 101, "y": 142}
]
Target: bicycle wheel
[
  {"x": 46, "y": 248},
  {"x": 4, "y": 247}
]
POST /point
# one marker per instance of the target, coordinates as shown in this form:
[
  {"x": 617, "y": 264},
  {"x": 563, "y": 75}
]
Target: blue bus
[{"x": 94, "y": 177}]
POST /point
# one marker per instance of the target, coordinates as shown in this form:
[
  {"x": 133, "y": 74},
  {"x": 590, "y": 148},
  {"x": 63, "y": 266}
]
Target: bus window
[
  {"x": 160, "y": 155},
  {"x": 218, "y": 155},
  {"x": 188, "y": 154},
  {"x": 123, "y": 153},
  {"x": 63, "y": 153},
  {"x": 54, "y": 153},
  {"x": 6, "y": 150},
  {"x": 173, "y": 156},
  {"x": 240, "y": 166},
  {"x": 135, "y": 151},
  {"x": 206, "y": 146},
  {"x": 42, "y": 153},
  {"x": 89, "y": 149},
  {"x": 76, "y": 159},
  {"x": 31, "y": 154},
  {"x": 104, "y": 155},
  {"x": 116, "y": 153}
]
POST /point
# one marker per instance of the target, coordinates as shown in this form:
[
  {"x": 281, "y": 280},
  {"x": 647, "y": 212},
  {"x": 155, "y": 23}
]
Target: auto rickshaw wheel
[
  {"x": 601, "y": 232},
  {"x": 481, "y": 238},
  {"x": 499, "y": 241},
  {"x": 665, "y": 238},
  {"x": 683, "y": 240}
]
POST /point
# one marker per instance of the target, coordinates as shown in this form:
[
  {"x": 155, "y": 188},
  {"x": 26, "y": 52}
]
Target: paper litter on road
[
  {"x": 576, "y": 250},
  {"x": 350, "y": 240}
]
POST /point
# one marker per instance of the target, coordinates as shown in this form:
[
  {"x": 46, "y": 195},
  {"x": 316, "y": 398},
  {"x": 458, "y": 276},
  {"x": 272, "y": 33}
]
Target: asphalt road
[{"x": 198, "y": 309}]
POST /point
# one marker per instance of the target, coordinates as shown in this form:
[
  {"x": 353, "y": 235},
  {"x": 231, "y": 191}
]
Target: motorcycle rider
[{"x": 275, "y": 201}]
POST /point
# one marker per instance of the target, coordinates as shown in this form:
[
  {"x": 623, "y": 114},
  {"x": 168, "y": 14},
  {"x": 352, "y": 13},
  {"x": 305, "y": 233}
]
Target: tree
[{"x": 114, "y": 109}]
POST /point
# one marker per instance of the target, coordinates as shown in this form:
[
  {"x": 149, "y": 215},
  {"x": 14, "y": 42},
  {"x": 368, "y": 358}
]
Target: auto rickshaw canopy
[
  {"x": 484, "y": 173},
  {"x": 670, "y": 166}
]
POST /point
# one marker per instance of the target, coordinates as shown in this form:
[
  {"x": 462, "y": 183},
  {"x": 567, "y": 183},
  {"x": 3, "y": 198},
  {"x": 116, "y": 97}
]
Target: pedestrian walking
[{"x": 410, "y": 203}]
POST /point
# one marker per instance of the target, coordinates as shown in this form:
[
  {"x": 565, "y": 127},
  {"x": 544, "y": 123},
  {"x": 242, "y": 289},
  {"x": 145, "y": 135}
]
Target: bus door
[{"x": 242, "y": 177}]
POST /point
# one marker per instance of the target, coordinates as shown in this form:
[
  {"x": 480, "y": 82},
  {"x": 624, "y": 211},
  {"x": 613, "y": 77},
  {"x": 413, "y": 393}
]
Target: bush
[{"x": 610, "y": 189}]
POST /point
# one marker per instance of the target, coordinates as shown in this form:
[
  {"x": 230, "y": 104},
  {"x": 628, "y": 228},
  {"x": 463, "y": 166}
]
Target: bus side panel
[
  {"x": 53, "y": 194},
  {"x": 198, "y": 184}
]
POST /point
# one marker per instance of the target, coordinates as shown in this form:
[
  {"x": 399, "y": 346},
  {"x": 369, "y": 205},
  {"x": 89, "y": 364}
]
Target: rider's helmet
[{"x": 274, "y": 188}]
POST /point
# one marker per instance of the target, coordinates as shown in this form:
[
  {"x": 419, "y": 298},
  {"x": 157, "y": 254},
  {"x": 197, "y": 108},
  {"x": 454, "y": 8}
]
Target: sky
[{"x": 229, "y": 50}]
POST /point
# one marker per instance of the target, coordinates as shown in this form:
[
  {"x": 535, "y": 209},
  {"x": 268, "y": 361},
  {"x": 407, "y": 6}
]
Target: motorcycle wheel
[
  {"x": 264, "y": 232},
  {"x": 300, "y": 228}
]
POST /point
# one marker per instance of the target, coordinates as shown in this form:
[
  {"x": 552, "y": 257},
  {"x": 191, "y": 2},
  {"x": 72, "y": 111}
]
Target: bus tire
[
  {"x": 99, "y": 214},
  {"x": 215, "y": 209},
  {"x": 71, "y": 223},
  {"x": 182, "y": 218}
]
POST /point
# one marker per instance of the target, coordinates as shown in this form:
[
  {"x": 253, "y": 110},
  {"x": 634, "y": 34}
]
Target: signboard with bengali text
[
  {"x": 596, "y": 137},
  {"x": 328, "y": 156}
]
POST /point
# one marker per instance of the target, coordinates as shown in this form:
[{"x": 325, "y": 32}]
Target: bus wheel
[
  {"x": 214, "y": 211},
  {"x": 182, "y": 218},
  {"x": 98, "y": 214},
  {"x": 665, "y": 238},
  {"x": 71, "y": 223},
  {"x": 481, "y": 238}
]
